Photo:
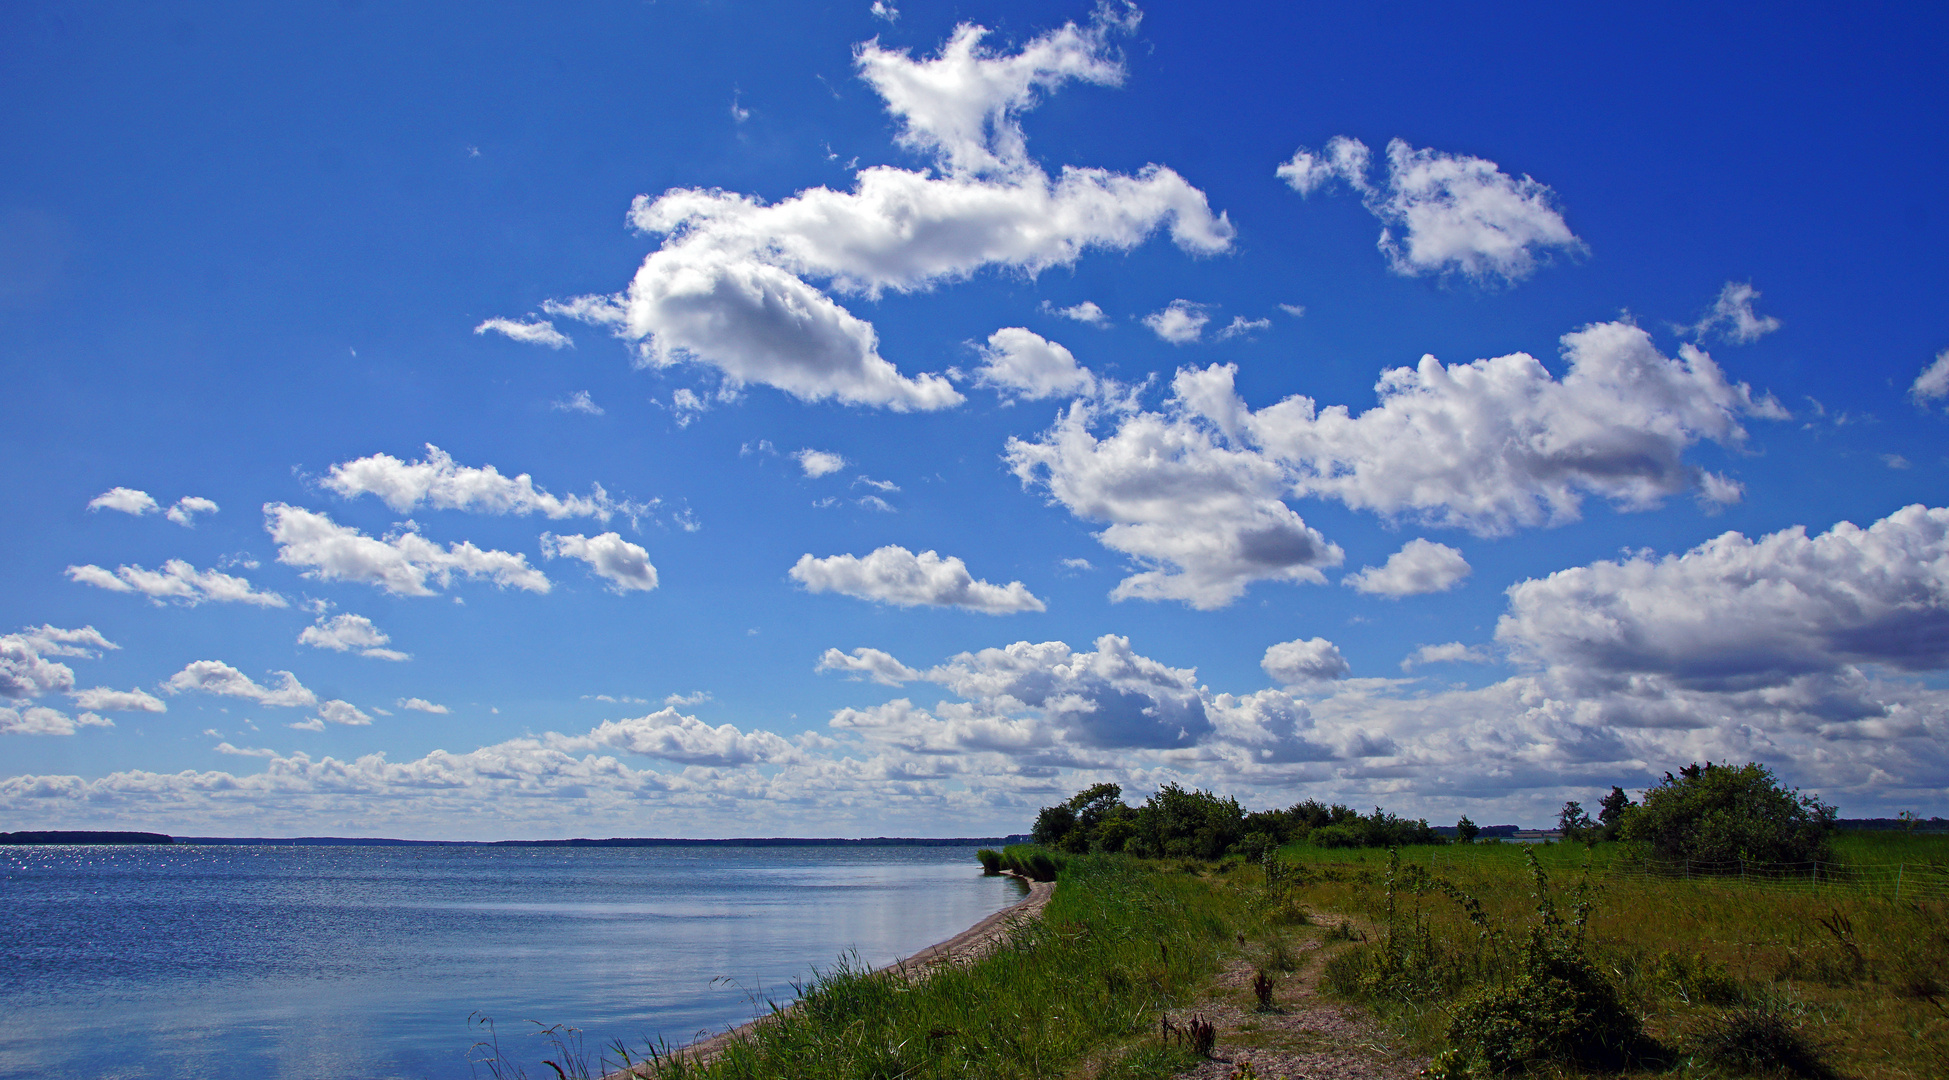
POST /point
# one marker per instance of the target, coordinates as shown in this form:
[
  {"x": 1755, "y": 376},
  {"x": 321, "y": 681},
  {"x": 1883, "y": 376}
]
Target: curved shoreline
[{"x": 963, "y": 948}]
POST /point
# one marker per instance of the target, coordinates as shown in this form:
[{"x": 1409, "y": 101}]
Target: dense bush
[
  {"x": 1193, "y": 824},
  {"x": 1720, "y": 814}
]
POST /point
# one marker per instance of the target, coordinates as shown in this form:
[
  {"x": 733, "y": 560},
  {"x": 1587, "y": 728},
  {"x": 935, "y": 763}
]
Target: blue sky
[{"x": 720, "y": 419}]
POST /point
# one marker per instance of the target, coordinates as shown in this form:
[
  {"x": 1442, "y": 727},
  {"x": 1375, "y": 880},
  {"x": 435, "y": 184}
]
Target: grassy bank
[
  {"x": 1719, "y": 975},
  {"x": 1120, "y": 942}
]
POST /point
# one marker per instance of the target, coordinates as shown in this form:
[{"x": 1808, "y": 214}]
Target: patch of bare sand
[{"x": 1308, "y": 1038}]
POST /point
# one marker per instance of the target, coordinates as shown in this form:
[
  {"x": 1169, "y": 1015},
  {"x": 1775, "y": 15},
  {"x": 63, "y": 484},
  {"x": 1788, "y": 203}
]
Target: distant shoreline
[{"x": 97, "y": 837}]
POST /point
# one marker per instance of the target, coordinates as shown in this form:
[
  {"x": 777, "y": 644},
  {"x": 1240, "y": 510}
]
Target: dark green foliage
[
  {"x": 1176, "y": 823},
  {"x": 1052, "y": 824},
  {"x": 991, "y": 860},
  {"x": 1574, "y": 823},
  {"x": 1766, "y": 1038},
  {"x": 1715, "y": 816},
  {"x": 1092, "y": 820},
  {"x": 1466, "y": 831},
  {"x": 1113, "y": 835},
  {"x": 1379, "y": 829},
  {"x": 1610, "y": 810}
]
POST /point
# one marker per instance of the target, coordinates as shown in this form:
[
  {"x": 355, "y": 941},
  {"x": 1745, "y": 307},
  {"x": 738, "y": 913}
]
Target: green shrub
[
  {"x": 991, "y": 860},
  {"x": 1719, "y": 815}
]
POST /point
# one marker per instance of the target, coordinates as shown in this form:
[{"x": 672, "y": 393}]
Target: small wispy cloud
[
  {"x": 577, "y": 402},
  {"x": 539, "y": 332}
]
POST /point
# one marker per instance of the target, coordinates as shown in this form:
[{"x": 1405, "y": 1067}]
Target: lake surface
[{"x": 353, "y": 962}]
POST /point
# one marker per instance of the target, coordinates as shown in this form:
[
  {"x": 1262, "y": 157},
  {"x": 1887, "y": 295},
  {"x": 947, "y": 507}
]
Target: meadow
[{"x": 1838, "y": 970}]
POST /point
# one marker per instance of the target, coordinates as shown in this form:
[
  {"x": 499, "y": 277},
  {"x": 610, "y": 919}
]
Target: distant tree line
[
  {"x": 1710, "y": 815},
  {"x": 83, "y": 836},
  {"x": 1177, "y": 823}
]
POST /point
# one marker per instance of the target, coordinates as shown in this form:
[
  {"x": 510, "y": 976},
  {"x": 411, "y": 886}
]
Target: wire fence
[{"x": 1894, "y": 881}]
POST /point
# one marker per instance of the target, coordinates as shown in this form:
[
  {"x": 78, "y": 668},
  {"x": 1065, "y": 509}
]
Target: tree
[
  {"x": 1610, "y": 812},
  {"x": 1052, "y": 824},
  {"x": 1572, "y": 822},
  {"x": 1188, "y": 824},
  {"x": 1466, "y": 830},
  {"x": 1719, "y": 815}
]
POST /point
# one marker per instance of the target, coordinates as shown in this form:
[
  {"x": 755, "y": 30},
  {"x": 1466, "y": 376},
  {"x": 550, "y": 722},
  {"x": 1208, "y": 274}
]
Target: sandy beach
[{"x": 965, "y": 947}]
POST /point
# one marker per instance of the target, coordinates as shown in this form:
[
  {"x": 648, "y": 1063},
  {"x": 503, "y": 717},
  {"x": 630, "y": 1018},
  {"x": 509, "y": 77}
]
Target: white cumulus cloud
[
  {"x": 1197, "y": 490},
  {"x": 103, "y": 699},
  {"x": 350, "y": 633},
  {"x": 1205, "y": 519},
  {"x": 872, "y": 664},
  {"x": 177, "y": 581},
  {"x": 1085, "y": 311},
  {"x": 1456, "y": 213},
  {"x": 894, "y": 575},
  {"x": 817, "y": 463},
  {"x": 1934, "y": 381},
  {"x": 343, "y": 712},
  {"x": 1740, "y": 613},
  {"x": 1303, "y": 661},
  {"x": 624, "y": 565},
  {"x": 127, "y": 500},
  {"x": 1028, "y": 366},
  {"x": 41, "y": 720},
  {"x": 538, "y": 332},
  {"x": 1453, "y": 652},
  {"x": 1179, "y": 322},
  {"x": 437, "y": 481},
  {"x": 1421, "y": 566},
  {"x": 402, "y": 563},
  {"x": 732, "y": 284},
  {"x": 673, "y": 736},
  {"x": 217, "y": 677},
  {"x": 186, "y": 508},
  {"x": 25, "y": 671},
  {"x": 422, "y": 705}
]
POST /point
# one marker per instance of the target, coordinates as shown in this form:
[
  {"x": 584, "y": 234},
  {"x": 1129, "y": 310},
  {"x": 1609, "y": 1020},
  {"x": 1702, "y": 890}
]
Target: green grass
[
  {"x": 1080, "y": 990},
  {"x": 1858, "y": 974}
]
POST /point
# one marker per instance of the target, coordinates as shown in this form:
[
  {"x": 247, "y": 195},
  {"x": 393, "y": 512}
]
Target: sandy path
[
  {"x": 1307, "y": 1038},
  {"x": 965, "y": 947}
]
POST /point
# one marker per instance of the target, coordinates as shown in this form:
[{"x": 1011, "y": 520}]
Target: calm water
[{"x": 308, "y": 962}]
